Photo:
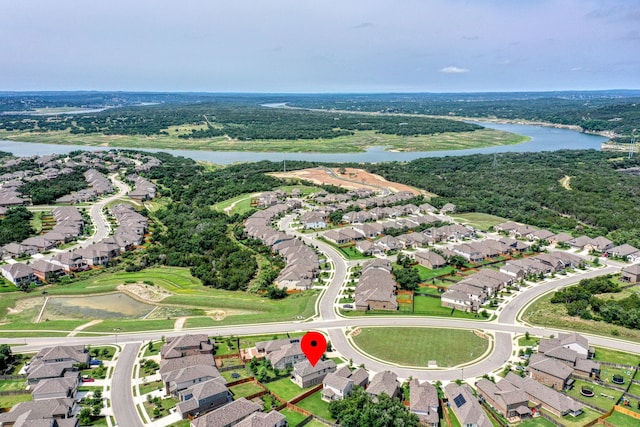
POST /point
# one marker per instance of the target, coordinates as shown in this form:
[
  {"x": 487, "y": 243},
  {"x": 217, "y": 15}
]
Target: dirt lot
[{"x": 351, "y": 179}]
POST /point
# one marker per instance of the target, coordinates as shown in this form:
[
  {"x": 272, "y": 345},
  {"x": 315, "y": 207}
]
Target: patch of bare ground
[
  {"x": 26, "y": 305},
  {"x": 350, "y": 178},
  {"x": 147, "y": 293},
  {"x": 566, "y": 182}
]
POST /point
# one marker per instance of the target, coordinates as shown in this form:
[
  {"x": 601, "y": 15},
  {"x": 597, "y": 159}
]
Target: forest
[
  {"x": 16, "y": 225},
  {"x": 47, "y": 191},
  {"x": 235, "y": 120},
  {"x": 526, "y": 187},
  {"x": 615, "y": 111},
  {"x": 589, "y": 300}
]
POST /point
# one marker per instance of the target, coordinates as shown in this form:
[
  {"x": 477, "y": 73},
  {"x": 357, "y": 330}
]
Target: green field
[
  {"x": 285, "y": 388},
  {"x": 316, "y": 406},
  {"x": 543, "y": 313},
  {"x": 293, "y": 418},
  {"x": 480, "y": 221},
  {"x": 244, "y": 390},
  {"x": 427, "y": 274},
  {"x": 414, "y": 346},
  {"x": 187, "y": 293},
  {"x": 357, "y": 142},
  {"x": 619, "y": 419},
  {"x": 598, "y": 400}
]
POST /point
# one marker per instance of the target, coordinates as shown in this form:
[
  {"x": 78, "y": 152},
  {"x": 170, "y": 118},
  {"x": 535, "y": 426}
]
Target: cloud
[
  {"x": 576, "y": 69},
  {"x": 363, "y": 25},
  {"x": 453, "y": 70}
]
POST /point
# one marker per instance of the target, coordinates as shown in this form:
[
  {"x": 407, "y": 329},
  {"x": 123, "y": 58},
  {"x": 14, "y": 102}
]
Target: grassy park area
[
  {"x": 417, "y": 346},
  {"x": 542, "y": 312},
  {"x": 480, "y": 221},
  {"x": 181, "y": 294}
]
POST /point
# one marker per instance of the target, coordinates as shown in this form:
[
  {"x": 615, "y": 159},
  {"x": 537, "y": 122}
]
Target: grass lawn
[
  {"x": 587, "y": 416},
  {"x": 9, "y": 401},
  {"x": 417, "y": 346},
  {"x": 597, "y": 400},
  {"x": 619, "y": 419},
  {"x": 293, "y": 418},
  {"x": 149, "y": 387},
  {"x": 316, "y": 406},
  {"x": 155, "y": 349},
  {"x": 635, "y": 389},
  {"x": 228, "y": 375},
  {"x": 536, "y": 422},
  {"x": 285, "y": 388},
  {"x": 244, "y": 390},
  {"x": 181, "y": 423},
  {"x": 315, "y": 423},
  {"x": 607, "y": 373},
  {"x": 427, "y": 274},
  {"x": 201, "y": 322},
  {"x": 165, "y": 405},
  {"x": 543, "y": 313},
  {"x": 428, "y": 306},
  {"x": 479, "y": 220},
  {"x": 12, "y": 385},
  {"x": 531, "y": 342},
  {"x": 616, "y": 356}
]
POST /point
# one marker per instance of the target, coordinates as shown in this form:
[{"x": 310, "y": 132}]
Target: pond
[{"x": 108, "y": 306}]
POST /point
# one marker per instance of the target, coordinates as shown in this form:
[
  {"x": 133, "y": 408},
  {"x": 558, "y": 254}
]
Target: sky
[{"x": 320, "y": 45}]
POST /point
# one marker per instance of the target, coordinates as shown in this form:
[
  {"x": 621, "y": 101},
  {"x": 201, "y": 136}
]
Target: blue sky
[{"x": 320, "y": 46}]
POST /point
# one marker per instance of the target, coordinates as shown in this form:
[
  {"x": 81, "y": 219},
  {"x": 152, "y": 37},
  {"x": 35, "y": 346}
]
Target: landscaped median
[{"x": 416, "y": 347}]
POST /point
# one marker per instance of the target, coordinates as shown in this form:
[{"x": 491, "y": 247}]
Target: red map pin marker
[{"x": 313, "y": 346}]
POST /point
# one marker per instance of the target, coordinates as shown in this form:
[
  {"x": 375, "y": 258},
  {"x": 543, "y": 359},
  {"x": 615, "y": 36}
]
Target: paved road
[{"x": 122, "y": 403}]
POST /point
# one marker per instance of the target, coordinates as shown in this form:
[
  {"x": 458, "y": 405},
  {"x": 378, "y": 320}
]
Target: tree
[
  {"x": 457, "y": 261},
  {"x": 359, "y": 410},
  {"x": 85, "y": 415}
]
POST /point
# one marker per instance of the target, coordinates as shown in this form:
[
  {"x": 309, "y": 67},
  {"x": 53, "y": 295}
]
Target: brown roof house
[
  {"x": 58, "y": 361},
  {"x": 228, "y": 415},
  {"x": 423, "y": 398},
  {"x": 550, "y": 372},
  {"x": 186, "y": 345},
  {"x": 631, "y": 274},
  {"x": 262, "y": 419},
  {"x": 430, "y": 260},
  {"x": 511, "y": 402},
  {"x": 338, "y": 384},
  {"x": 553, "y": 401}
]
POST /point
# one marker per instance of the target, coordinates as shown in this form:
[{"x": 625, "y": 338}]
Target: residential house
[
  {"x": 336, "y": 385},
  {"x": 18, "y": 273},
  {"x": 305, "y": 375},
  {"x": 46, "y": 271},
  {"x": 55, "y": 388},
  {"x": 262, "y": 419},
  {"x": 375, "y": 289},
  {"x": 313, "y": 220},
  {"x": 600, "y": 244},
  {"x": 202, "y": 397},
  {"x": 465, "y": 405},
  {"x": 508, "y": 400},
  {"x": 448, "y": 208},
  {"x": 388, "y": 243},
  {"x": 55, "y": 362},
  {"x": 70, "y": 261},
  {"x": 631, "y": 274},
  {"x": 549, "y": 399},
  {"x": 26, "y": 413},
  {"x": 287, "y": 356},
  {"x": 625, "y": 251},
  {"x": 228, "y": 415},
  {"x": 424, "y": 402},
  {"x": 178, "y": 380},
  {"x": 430, "y": 260},
  {"x": 384, "y": 382},
  {"x": 186, "y": 345},
  {"x": 550, "y": 372}
]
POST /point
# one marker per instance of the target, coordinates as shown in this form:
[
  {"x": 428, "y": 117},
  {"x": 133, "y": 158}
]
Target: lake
[{"x": 542, "y": 139}]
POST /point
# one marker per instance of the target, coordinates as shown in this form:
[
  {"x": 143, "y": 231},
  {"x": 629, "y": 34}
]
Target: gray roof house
[
  {"x": 466, "y": 407},
  {"x": 423, "y": 401},
  {"x": 384, "y": 382},
  {"x": 228, "y": 415},
  {"x": 305, "y": 375},
  {"x": 203, "y": 396}
]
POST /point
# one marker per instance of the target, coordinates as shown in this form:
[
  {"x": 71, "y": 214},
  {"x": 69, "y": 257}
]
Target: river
[{"x": 542, "y": 139}]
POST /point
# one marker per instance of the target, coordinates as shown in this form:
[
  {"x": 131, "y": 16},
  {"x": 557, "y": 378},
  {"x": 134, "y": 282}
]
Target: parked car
[
  {"x": 94, "y": 362},
  {"x": 87, "y": 379}
]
